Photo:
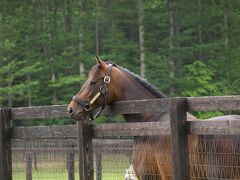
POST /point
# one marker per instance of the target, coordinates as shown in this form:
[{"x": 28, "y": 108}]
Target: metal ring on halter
[
  {"x": 88, "y": 107},
  {"x": 107, "y": 79},
  {"x": 103, "y": 90}
]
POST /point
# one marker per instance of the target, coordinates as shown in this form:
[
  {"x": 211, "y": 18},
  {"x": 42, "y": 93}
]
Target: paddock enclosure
[{"x": 103, "y": 151}]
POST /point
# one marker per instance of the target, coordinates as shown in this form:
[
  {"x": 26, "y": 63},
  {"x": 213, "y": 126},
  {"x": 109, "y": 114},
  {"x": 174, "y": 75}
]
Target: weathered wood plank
[
  {"x": 5, "y": 145},
  {"x": 109, "y": 130},
  {"x": 112, "y": 143},
  {"x": 104, "y": 144},
  {"x": 214, "y": 103},
  {"x": 99, "y": 131},
  {"x": 179, "y": 131},
  {"x": 124, "y": 107},
  {"x": 139, "y": 106},
  {"x": 39, "y": 112},
  {"x": 44, "y": 132},
  {"x": 224, "y": 127},
  {"x": 131, "y": 129},
  {"x": 209, "y": 103}
]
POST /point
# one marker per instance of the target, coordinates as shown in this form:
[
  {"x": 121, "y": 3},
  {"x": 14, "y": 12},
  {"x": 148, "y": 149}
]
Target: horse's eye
[{"x": 93, "y": 82}]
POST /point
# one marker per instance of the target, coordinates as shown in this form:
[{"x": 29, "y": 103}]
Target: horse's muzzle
[{"x": 74, "y": 114}]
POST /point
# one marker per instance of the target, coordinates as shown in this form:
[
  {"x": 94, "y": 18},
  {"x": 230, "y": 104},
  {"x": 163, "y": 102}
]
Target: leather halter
[{"x": 87, "y": 104}]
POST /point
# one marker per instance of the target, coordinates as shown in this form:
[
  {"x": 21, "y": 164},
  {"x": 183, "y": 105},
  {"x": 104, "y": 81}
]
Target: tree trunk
[
  {"x": 48, "y": 26},
  {"x": 40, "y": 16},
  {"x": 51, "y": 59},
  {"x": 53, "y": 79},
  {"x": 35, "y": 18},
  {"x": 63, "y": 15},
  {"x": 141, "y": 37},
  {"x": 199, "y": 28},
  {"x": 55, "y": 17},
  {"x": 34, "y": 15},
  {"x": 97, "y": 30},
  {"x": 226, "y": 26},
  {"x": 81, "y": 68},
  {"x": 81, "y": 46},
  {"x": 171, "y": 46},
  {"x": 29, "y": 96},
  {"x": 10, "y": 95},
  {"x": 26, "y": 34},
  {"x": 69, "y": 16}
]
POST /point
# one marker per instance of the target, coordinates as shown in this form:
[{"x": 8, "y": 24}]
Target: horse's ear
[{"x": 99, "y": 61}]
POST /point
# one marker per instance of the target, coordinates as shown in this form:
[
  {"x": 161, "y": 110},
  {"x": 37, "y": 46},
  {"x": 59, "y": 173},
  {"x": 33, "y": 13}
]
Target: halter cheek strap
[{"x": 102, "y": 91}]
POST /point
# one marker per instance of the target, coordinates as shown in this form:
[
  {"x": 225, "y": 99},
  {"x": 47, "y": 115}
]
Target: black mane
[{"x": 155, "y": 92}]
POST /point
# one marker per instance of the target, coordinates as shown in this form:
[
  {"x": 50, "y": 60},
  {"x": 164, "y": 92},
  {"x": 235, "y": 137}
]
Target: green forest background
[{"x": 184, "y": 48}]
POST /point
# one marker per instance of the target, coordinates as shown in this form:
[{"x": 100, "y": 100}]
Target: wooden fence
[{"x": 178, "y": 127}]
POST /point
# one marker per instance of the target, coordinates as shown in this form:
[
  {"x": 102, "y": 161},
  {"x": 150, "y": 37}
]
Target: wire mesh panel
[
  {"x": 112, "y": 159},
  {"x": 145, "y": 157},
  {"x": 214, "y": 157},
  {"x": 44, "y": 159},
  {"x": 150, "y": 158}
]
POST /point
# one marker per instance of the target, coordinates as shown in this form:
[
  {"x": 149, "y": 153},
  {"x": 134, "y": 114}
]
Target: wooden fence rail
[
  {"x": 208, "y": 103},
  {"x": 178, "y": 127},
  {"x": 109, "y": 130}
]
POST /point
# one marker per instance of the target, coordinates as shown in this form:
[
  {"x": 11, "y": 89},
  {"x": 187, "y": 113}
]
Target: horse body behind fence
[{"x": 151, "y": 157}]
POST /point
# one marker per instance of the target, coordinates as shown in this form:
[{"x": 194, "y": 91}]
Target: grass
[
  {"x": 40, "y": 175},
  {"x": 113, "y": 168}
]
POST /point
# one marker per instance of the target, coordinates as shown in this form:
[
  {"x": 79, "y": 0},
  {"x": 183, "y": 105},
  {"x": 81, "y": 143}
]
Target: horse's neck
[{"x": 132, "y": 90}]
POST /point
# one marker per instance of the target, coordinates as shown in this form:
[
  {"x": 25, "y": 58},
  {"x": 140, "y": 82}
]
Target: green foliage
[
  {"x": 109, "y": 119},
  {"x": 198, "y": 80},
  {"x": 43, "y": 42}
]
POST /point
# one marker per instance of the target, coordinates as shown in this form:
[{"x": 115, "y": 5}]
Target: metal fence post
[
  {"x": 85, "y": 149},
  {"x": 5, "y": 145},
  {"x": 179, "y": 132}
]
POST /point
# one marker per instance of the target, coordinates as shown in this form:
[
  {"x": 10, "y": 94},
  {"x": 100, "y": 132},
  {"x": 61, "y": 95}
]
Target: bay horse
[{"x": 151, "y": 158}]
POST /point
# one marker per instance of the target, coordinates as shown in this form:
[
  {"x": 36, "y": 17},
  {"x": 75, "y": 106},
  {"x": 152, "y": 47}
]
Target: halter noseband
[{"x": 87, "y": 104}]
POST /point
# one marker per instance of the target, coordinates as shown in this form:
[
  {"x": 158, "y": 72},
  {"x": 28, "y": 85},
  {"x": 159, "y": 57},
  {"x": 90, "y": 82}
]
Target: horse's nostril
[{"x": 70, "y": 110}]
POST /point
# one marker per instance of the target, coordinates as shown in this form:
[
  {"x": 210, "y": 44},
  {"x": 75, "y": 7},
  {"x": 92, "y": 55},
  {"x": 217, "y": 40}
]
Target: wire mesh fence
[
  {"x": 55, "y": 159},
  {"x": 149, "y": 158},
  {"x": 215, "y": 157},
  {"x": 44, "y": 159},
  {"x": 112, "y": 159}
]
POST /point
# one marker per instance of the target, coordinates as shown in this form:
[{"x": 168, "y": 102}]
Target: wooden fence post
[
  {"x": 70, "y": 163},
  {"x": 29, "y": 165},
  {"x": 35, "y": 160},
  {"x": 5, "y": 145},
  {"x": 85, "y": 149},
  {"x": 179, "y": 132},
  {"x": 99, "y": 164}
]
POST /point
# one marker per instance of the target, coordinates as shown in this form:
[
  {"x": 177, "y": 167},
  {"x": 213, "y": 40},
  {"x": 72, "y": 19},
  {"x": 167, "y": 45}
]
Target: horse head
[{"x": 98, "y": 91}]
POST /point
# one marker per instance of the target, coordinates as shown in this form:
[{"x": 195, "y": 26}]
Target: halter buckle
[
  {"x": 88, "y": 107},
  {"x": 107, "y": 79}
]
